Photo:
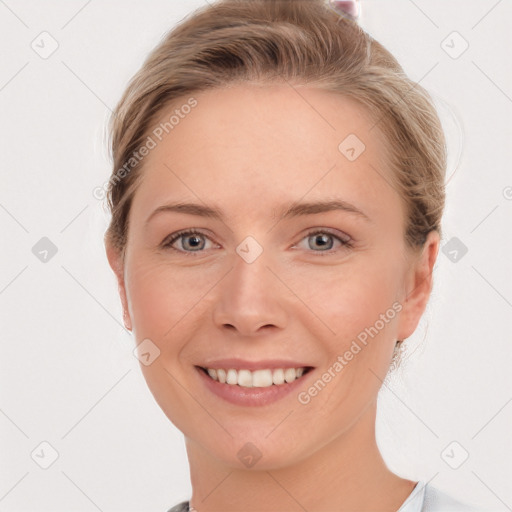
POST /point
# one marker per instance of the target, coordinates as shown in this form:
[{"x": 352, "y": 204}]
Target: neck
[{"x": 346, "y": 474}]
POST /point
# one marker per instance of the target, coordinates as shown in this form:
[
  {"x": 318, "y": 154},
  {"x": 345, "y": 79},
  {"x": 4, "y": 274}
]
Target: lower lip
[{"x": 240, "y": 395}]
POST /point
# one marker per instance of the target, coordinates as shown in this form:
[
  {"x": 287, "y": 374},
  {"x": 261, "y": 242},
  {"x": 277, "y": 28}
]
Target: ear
[
  {"x": 418, "y": 285},
  {"x": 115, "y": 260}
]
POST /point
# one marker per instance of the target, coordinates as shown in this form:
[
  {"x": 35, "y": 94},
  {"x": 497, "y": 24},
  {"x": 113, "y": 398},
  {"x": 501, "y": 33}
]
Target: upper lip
[{"x": 241, "y": 364}]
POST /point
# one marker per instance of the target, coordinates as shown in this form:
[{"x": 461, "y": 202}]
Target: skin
[{"x": 249, "y": 150}]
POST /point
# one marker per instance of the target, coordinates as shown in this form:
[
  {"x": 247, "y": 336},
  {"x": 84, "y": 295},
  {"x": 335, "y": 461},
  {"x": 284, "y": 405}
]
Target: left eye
[
  {"x": 195, "y": 240},
  {"x": 322, "y": 237}
]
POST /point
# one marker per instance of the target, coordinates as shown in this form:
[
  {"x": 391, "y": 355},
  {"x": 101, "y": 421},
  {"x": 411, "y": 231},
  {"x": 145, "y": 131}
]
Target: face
[{"x": 266, "y": 282}]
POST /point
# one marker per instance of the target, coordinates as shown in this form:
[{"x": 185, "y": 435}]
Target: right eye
[{"x": 190, "y": 239}]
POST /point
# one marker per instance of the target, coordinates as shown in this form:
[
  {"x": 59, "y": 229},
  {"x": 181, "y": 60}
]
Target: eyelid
[{"x": 342, "y": 237}]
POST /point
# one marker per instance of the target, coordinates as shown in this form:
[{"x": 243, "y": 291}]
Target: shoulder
[
  {"x": 438, "y": 501},
  {"x": 181, "y": 507}
]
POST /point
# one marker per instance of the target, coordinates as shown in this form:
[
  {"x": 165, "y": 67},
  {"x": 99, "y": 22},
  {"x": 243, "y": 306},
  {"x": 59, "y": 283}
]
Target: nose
[{"x": 251, "y": 299}]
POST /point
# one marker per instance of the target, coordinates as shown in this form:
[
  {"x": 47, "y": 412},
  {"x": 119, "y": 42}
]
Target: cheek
[
  {"x": 359, "y": 307},
  {"x": 170, "y": 303},
  {"x": 161, "y": 305},
  {"x": 158, "y": 299},
  {"x": 351, "y": 298}
]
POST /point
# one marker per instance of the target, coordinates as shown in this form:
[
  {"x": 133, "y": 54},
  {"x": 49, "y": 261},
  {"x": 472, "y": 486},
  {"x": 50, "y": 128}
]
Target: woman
[{"x": 255, "y": 130}]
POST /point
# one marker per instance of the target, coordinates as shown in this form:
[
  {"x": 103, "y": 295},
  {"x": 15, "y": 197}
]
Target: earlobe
[
  {"x": 116, "y": 263},
  {"x": 418, "y": 285},
  {"x": 126, "y": 319}
]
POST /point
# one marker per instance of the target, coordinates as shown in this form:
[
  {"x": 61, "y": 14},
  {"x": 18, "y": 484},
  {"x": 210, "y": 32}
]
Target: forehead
[{"x": 251, "y": 142}]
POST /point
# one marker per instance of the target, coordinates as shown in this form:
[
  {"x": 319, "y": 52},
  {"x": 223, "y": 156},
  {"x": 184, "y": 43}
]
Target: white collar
[{"x": 414, "y": 501}]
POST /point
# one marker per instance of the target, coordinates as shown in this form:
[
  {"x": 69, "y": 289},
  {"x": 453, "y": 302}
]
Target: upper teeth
[{"x": 257, "y": 378}]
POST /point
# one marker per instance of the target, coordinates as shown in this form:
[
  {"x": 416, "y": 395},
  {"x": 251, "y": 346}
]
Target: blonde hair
[{"x": 302, "y": 42}]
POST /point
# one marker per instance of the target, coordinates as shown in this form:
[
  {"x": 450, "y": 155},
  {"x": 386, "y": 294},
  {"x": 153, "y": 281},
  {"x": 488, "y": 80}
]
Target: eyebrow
[{"x": 289, "y": 211}]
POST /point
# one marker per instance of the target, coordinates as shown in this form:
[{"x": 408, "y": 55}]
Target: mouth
[{"x": 260, "y": 378}]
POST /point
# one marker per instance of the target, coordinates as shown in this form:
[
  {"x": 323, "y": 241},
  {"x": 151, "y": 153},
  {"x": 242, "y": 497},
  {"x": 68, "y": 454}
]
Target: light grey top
[{"x": 423, "y": 498}]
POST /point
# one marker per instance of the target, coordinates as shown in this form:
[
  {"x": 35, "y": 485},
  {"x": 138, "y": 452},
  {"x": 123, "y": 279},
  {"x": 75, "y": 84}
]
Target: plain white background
[{"x": 67, "y": 373}]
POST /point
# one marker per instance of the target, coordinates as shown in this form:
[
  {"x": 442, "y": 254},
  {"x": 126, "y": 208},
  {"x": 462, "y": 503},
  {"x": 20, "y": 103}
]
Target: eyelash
[{"x": 167, "y": 244}]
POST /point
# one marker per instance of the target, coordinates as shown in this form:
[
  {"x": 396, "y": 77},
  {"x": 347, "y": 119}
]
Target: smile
[
  {"x": 258, "y": 378},
  {"x": 257, "y": 387}
]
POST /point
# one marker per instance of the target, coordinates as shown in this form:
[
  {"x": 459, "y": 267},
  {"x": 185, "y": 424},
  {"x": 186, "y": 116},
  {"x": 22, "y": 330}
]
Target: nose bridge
[{"x": 250, "y": 297}]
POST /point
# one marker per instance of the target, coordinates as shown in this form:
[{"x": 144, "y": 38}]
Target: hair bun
[{"x": 349, "y": 8}]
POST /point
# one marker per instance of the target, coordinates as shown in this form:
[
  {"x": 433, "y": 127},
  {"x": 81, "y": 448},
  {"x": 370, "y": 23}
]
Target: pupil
[
  {"x": 321, "y": 239},
  {"x": 197, "y": 240}
]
